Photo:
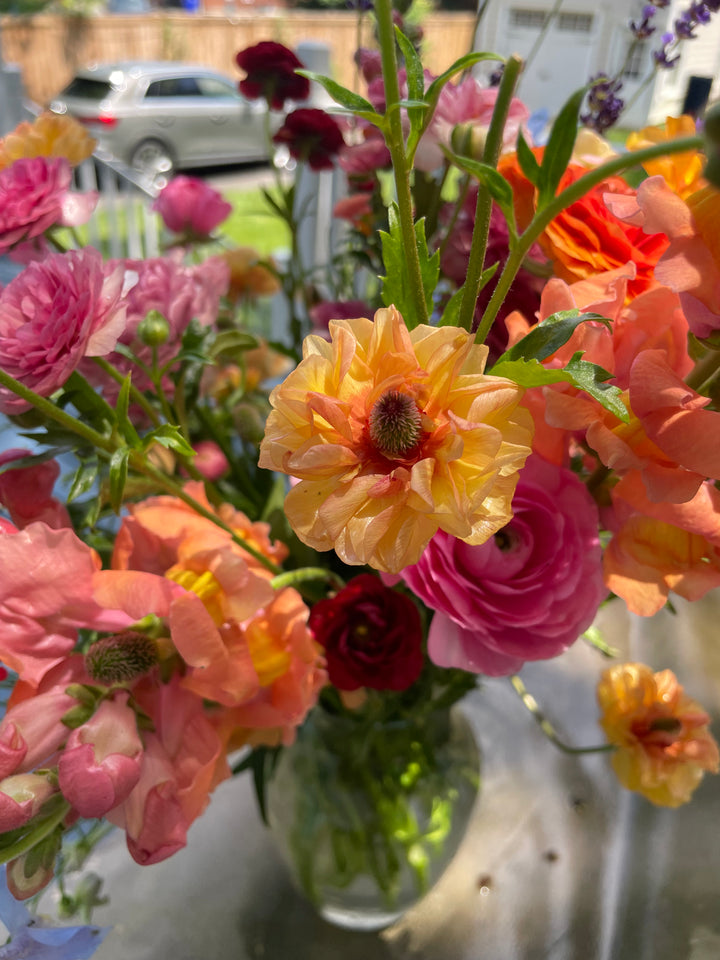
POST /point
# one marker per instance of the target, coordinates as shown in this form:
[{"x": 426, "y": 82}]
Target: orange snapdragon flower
[
  {"x": 395, "y": 434},
  {"x": 681, "y": 171},
  {"x": 49, "y": 135},
  {"x": 663, "y": 743}
]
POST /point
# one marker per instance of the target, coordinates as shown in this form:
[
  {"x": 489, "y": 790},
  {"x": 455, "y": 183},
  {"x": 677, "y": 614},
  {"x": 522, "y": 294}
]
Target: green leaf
[
  {"x": 83, "y": 480},
  {"x": 413, "y": 66},
  {"x": 118, "y": 477},
  {"x": 468, "y": 60},
  {"x": 526, "y": 158},
  {"x": 169, "y": 435},
  {"x": 346, "y": 98},
  {"x": 549, "y": 335},
  {"x": 580, "y": 373},
  {"x": 452, "y": 309},
  {"x": 231, "y": 342},
  {"x": 121, "y": 408},
  {"x": 396, "y": 283},
  {"x": 559, "y": 148},
  {"x": 495, "y": 183},
  {"x": 87, "y": 401}
]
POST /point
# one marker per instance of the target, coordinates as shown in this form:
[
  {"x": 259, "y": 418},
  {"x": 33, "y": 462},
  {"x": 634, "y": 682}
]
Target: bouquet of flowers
[{"x": 491, "y": 412}]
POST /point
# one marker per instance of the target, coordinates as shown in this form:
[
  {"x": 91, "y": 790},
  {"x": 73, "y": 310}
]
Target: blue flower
[{"x": 33, "y": 940}]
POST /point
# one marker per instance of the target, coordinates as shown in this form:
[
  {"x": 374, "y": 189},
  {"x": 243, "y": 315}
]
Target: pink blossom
[
  {"x": 180, "y": 294},
  {"x": 210, "y": 461},
  {"x": 366, "y": 158},
  {"x": 325, "y": 311},
  {"x": 32, "y": 731},
  {"x": 526, "y": 594},
  {"x": 190, "y": 206},
  {"x": 26, "y": 492},
  {"x": 21, "y": 797},
  {"x": 53, "y": 314},
  {"x": 182, "y": 763},
  {"x": 34, "y": 196},
  {"x": 101, "y": 761},
  {"x": 370, "y": 63}
]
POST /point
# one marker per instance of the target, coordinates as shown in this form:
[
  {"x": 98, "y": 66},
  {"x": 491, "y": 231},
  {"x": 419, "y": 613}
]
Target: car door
[
  {"x": 173, "y": 108},
  {"x": 237, "y": 125}
]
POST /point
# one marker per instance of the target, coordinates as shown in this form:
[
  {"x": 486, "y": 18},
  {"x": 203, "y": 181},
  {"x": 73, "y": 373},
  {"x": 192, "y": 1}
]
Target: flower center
[
  {"x": 395, "y": 424},
  {"x": 121, "y": 658}
]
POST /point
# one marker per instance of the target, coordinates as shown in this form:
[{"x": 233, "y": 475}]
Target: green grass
[{"x": 253, "y": 223}]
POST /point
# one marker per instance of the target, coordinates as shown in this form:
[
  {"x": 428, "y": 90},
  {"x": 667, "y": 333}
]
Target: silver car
[{"x": 158, "y": 117}]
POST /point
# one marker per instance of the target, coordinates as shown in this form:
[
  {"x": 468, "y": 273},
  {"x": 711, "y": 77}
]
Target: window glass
[
  {"x": 210, "y": 87},
  {"x": 86, "y": 89},
  {"x": 173, "y": 87}
]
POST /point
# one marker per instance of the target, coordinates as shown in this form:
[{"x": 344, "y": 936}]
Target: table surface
[{"x": 559, "y": 863}]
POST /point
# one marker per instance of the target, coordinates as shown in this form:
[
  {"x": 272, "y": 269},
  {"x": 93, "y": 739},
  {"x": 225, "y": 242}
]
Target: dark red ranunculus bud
[
  {"x": 311, "y": 136},
  {"x": 270, "y": 69},
  {"x": 372, "y": 636}
]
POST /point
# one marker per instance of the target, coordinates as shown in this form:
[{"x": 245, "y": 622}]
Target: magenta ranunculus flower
[
  {"x": 270, "y": 69},
  {"x": 34, "y": 196},
  {"x": 526, "y": 594},
  {"x": 53, "y": 314},
  {"x": 190, "y": 206},
  {"x": 311, "y": 136}
]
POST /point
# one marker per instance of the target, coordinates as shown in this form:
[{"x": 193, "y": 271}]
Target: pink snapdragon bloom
[
  {"x": 180, "y": 294},
  {"x": 53, "y": 314},
  {"x": 526, "y": 594},
  {"x": 32, "y": 731},
  {"x": 190, "y": 206},
  {"x": 26, "y": 492},
  {"x": 21, "y": 797},
  {"x": 182, "y": 763},
  {"x": 101, "y": 761},
  {"x": 210, "y": 461},
  {"x": 34, "y": 196}
]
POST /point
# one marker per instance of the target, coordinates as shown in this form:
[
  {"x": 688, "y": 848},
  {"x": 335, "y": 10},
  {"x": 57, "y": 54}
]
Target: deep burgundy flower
[
  {"x": 371, "y": 634},
  {"x": 311, "y": 136},
  {"x": 270, "y": 69}
]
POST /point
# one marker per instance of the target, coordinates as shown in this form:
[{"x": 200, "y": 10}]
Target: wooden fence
[{"x": 48, "y": 48}]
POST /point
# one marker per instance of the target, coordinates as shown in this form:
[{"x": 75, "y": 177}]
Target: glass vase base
[{"x": 363, "y": 921}]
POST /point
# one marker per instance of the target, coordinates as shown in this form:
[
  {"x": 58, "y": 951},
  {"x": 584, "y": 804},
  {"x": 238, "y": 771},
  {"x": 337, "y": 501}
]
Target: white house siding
[{"x": 590, "y": 36}]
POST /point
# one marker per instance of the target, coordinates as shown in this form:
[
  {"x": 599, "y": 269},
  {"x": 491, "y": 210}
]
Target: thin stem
[
  {"x": 561, "y": 202},
  {"x": 396, "y": 145},
  {"x": 136, "y": 394},
  {"x": 483, "y": 210},
  {"x": 547, "y": 728},
  {"x": 705, "y": 371},
  {"x": 292, "y": 577}
]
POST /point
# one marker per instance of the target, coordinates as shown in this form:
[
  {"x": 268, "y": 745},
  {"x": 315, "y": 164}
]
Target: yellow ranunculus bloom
[
  {"x": 682, "y": 171},
  {"x": 663, "y": 743},
  {"x": 50, "y": 135},
  {"x": 393, "y": 435}
]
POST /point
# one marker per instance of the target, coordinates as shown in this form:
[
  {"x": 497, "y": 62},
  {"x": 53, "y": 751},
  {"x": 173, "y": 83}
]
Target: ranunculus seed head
[
  {"x": 121, "y": 657},
  {"x": 395, "y": 424}
]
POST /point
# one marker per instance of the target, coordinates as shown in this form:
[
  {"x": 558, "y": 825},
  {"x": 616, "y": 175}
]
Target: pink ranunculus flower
[
  {"x": 180, "y": 294},
  {"x": 366, "y": 158},
  {"x": 101, "y": 761},
  {"x": 526, "y": 594},
  {"x": 26, "y": 492},
  {"x": 188, "y": 205},
  {"x": 53, "y": 314},
  {"x": 34, "y": 196},
  {"x": 21, "y": 797}
]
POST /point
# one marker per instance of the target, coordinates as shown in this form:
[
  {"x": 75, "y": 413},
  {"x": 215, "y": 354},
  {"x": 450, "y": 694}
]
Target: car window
[
  {"x": 210, "y": 87},
  {"x": 173, "y": 87},
  {"x": 86, "y": 89}
]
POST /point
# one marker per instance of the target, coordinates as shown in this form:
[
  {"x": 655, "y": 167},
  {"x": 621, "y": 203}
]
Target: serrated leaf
[
  {"x": 527, "y": 160},
  {"x": 529, "y": 373},
  {"x": 592, "y": 379},
  {"x": 346, "y": 98},
  {"x": 83, "y": 480},
  {"x": 118, "y": 477},
  {"x": 429, "y": 264},
  {"x": 168, "y": 435},
  {"x": 549, "y": 335},
  {"x": 396, "y": 282},
  {"x": 559, "y": 148}
]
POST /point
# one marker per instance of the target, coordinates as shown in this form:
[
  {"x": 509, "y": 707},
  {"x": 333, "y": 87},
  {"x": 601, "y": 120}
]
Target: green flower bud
[{"x": 154, "y": 329}]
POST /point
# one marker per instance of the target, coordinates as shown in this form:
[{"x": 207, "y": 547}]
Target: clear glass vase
[{"x": 368, "y": 813}]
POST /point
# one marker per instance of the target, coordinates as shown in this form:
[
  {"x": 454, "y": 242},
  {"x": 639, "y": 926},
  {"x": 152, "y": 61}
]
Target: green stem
[
  {"x": 44, "y": 828},
  {"x": 705, "y": 371},
  {"x": 136, "y": 394},
  {"x": 396, "y": 145},
  {"x": 547, "y": 728},
  {"x": 561, "y": 202},
  {"x": 483, "y": 210},
  {"x": 292, "y": 577}
]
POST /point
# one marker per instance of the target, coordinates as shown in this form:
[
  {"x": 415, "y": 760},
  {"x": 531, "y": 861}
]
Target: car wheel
[{"x": 153, "y": 160}]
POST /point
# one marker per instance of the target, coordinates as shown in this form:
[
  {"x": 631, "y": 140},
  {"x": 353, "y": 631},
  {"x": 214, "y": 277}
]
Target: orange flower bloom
[
  {"x": 664, "y": 745},
  {"x": 395, "y": 434},
  {"x": 50, "y": 135},
  {"x": 682, "y": 171},
  {"x": 248, "y": 277}
]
